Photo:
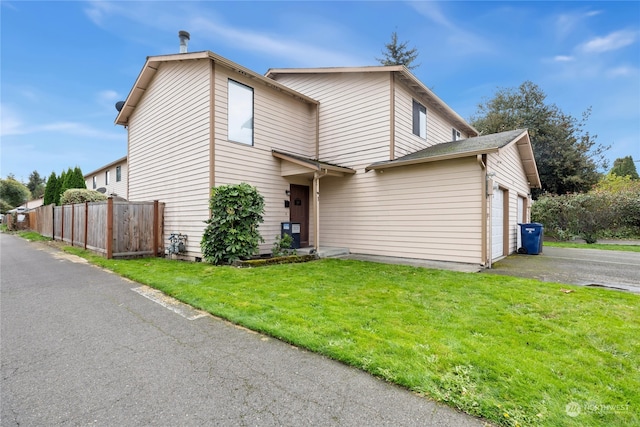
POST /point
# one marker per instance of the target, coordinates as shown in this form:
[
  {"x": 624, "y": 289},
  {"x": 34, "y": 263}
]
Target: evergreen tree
[
  {"x": 62, "y": 185},
  {"x": 51, "y": 189},
  {"x": 624, "y": 166},
  {"x": 397, "y": 53},
  {"x": 78, "y": 179},
  {"x": 568, "y": 157},
  {"x": 36, "y": 185}
]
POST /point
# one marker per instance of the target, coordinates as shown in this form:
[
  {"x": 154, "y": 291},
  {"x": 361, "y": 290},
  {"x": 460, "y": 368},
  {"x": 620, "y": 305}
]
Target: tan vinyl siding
[
  {"x": 114, "y": 187},
  {"x": 438, "y": 128},
  {"x": 510, "y": 175},
  {"x": 169, "y": 148},
  {"x": 280, "y": 122},
  {"x": 354, "y": 114},
  {"x": 429, "y": 211}
]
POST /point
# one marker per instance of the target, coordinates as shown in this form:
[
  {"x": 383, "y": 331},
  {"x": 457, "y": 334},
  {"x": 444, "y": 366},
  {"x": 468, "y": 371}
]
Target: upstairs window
[
  {"x": 95, "y": 182},
  {"x": 107, "y": 176},
  {"x": 419, "y": 120},
  {"x": 455, "y": 134},
  {"x": 240, "y": 113},
  {"x": 118, "y": 173}
]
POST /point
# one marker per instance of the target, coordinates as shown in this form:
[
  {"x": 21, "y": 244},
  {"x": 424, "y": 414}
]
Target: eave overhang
[
  {"x": 153, "y": 63},
  {"x": 310, "y": 166}
]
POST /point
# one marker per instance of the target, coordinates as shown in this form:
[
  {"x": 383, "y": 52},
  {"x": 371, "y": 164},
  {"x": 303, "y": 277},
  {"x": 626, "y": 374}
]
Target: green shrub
[
  {"x": 232, "y": 231},
  {"x": 599, "y": 213},
  {"x": 282, "y": 246},
  {"x": 80, "y": 195}
]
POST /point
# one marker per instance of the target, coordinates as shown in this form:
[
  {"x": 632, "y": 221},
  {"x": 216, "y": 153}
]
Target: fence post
[
  {"x": 86, "y": 224},
  {"x": 156, "y": 227},
  {"x": 73, "y": 222},
  {"x": 62, "y": 223},
  {"x": 109, "y": 228},
  {"x": 53, "y": 221}
]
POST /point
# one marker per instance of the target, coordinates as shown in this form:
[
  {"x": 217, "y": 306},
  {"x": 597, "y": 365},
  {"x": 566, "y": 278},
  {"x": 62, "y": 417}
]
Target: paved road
[
  {"x": 614, "y": 269},
  {"x": 80, "y": 347}
]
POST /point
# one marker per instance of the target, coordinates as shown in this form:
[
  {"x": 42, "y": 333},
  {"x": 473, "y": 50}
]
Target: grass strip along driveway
[{"x": 515, "y": 351}]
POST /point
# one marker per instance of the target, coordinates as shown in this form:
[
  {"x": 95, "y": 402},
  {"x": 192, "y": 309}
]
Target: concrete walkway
[{"x": 82, "y": 346}]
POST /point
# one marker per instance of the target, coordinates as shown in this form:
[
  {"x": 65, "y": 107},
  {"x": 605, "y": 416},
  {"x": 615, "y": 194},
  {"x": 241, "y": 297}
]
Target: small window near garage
[
  {"x": 419, "y": 120},
  {"x": 240, "y": 113},
  {"x": 95, "y": 182},
  {"x": 455, "y": 134},
  {"x": 107, "y": 177},
  {"x": 118, "y": 173}
]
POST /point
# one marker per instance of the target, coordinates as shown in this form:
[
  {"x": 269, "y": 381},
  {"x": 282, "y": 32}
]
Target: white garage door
[
  {"x": 520, "y": 219},
  {"x": 497, "y": 230}
]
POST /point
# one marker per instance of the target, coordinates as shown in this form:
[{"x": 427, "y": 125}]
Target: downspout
[{"x": 316, "y": 205}]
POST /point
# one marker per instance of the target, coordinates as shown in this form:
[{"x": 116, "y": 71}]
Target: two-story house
[
  {"x": 110, "y": 179},
  {"x": 364, "y": 158}
]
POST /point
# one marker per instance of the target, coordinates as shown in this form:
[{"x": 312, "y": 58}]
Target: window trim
[
  {"x": 456, "y": 135},
  {"x": 419, "y": 112},
  {"x": 118, "y": 173},
  {"x": 229, "y": 112},
  {"x": 95, "y": 182},
  {"x": 107, "y": 177}
]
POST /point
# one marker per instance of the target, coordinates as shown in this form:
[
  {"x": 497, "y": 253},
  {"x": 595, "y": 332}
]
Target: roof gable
[
  {"x": 153, "y": 63},
  {"x": 403, "y": 74}
]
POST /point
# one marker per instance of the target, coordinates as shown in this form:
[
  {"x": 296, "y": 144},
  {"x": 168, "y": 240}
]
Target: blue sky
[{"x": 65, "y": 64}]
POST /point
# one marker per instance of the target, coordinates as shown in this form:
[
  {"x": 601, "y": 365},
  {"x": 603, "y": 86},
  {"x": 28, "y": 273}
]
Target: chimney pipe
[{"x": 184, "y": 40}]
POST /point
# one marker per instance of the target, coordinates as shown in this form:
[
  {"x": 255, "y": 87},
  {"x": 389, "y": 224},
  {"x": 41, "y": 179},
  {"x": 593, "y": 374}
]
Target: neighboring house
[
  {"x": 35, "y": 203},
  {"x": 363, "y": 158},
  {"x": 110, "y": 179}
]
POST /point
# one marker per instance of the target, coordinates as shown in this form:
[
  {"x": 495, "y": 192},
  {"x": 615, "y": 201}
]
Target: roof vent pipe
[{"x": 184, "y": 40}]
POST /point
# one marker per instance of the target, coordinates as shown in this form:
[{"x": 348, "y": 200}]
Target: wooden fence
[{"x": 113, "y": 228}]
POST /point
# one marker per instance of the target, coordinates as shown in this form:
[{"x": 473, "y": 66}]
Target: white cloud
[
  {"x": 622, "y": 71},
  {"x": 463, "y": 41},
  {"x": 613, "y": 41},
  {"x": 432, "y": 10},
  {"x": 563, "y": 58},
  {"x": 566, "y": 23},
  {"x": 10, "y": 123},
  {"x": 13, "y": 123}
]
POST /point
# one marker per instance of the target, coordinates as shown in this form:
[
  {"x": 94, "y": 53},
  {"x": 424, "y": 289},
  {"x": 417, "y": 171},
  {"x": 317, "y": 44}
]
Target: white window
[
  {"x": 455, "y": 134},
  {"x": 118, "y": 173},
  {"x": 95, "y": 182},
  {"x": 240, "y": 113},
  {"x": 419, "y": 120},
  {"x": 107, "y": 176}
]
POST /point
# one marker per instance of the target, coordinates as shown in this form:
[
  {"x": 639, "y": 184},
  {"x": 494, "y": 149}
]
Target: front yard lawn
[{"x": 515, "y": 351}]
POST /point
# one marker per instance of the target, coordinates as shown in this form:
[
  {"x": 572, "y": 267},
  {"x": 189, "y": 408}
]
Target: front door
[{"x": 299, "y": 211}]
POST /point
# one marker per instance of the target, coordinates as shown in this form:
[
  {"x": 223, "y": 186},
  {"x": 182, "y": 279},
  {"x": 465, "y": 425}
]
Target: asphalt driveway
[{"x": 587, "y": 267}]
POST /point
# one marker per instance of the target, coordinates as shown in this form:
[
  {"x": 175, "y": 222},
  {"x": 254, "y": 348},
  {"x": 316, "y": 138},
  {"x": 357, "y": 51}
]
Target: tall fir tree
[
  {"x": 51, "y": 189},
  {"x": 397, "y": 53}
]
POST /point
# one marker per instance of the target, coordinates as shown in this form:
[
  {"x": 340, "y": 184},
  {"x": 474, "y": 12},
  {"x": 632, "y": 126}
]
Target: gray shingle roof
[{"x": 460, "y": 148}]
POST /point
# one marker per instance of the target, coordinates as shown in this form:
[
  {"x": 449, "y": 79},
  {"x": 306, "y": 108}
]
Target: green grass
[
  {"x": 603, "y": 246},
  {"x": 514, "y": 351},
  {"x": 32, "y": 236}
]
